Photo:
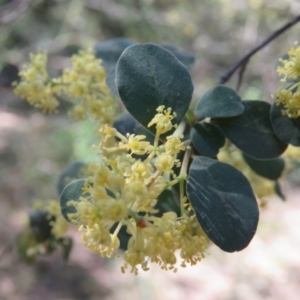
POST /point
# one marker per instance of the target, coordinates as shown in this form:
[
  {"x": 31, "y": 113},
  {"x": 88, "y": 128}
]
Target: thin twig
[
  {"x": 241, "y": 75},
  {"x": 225, "y": 77}
]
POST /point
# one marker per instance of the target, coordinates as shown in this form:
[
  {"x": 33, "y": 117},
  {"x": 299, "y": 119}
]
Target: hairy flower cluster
[
  {"x": 289, "y": 97},
  {"x": 83, "y": 83},
  {"x": 35, "y": 85},
  {"x": 123, "y": 193}
]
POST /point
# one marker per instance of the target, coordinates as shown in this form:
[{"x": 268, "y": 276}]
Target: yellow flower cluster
[
  {"x": 124, "y": 190},
  {"x": 83, "y": 84},
  {"x": 262, "y": 187},
  {"x": 289, "y": 97},
  {"x": 85, "y": 81},
  {"x": 35, "y": 84}
]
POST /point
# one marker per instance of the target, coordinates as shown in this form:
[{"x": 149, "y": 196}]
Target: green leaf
[
  {"x": 110, "y": 58},
  {"x": 74, "y": 170},
  {"x": 271, "y": 168},
  {"x": 8, "y": 74},
  {"x": 252, "y": 131},
  {"x": 72, "y": 191},
  {"x": 148, "y": 76},
  {"x": 40, "y": 225},
  {"x": 224, "y": 203},
  {"x": 207, "y": 138},
  {"x": 220, "y": 101},
  {"x": 287, "y": 129}
]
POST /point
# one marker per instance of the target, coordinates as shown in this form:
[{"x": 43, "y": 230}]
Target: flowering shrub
[{"x": 168, "y": 178}]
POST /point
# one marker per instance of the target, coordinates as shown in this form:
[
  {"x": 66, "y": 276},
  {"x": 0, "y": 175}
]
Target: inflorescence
[
  {"x": 289, "y": 96},
  {"x": 83, "y": 83},
  {"x": 123, "y": 192}
]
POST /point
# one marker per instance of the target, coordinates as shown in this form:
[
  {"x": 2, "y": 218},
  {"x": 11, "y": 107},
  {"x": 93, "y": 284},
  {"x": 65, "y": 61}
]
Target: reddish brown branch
[{"x": 243, "y": 61}]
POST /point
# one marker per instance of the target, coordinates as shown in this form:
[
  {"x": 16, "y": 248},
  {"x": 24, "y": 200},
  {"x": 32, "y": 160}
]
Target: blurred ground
[
  {"x": 34, "y": 148},
  {"x": 268, "y": 269}
]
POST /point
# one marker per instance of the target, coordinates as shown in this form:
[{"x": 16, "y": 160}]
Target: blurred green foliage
[{"x": 34, "y": 150}]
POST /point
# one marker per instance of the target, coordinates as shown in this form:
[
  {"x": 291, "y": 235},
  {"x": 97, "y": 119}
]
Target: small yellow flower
[
  {"x": 291, "y": 66},
  {"x": 163, "y": 120},
  {"x": 283, "y": 96},
  {"x": 78, "y": 112},
  {"x": 165, "y": 163},
  {"x": 174, "y": 145},
  {"x": 290, "y": 97},
  {"x": 109, "y": 131},
  {"x": 135, "y": 145},
  {"x": 290, "y": 102}
]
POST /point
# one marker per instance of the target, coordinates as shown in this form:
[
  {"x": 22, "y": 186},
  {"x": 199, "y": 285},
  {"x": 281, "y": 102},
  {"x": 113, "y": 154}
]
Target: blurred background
[{"x": 35, "y": 148}]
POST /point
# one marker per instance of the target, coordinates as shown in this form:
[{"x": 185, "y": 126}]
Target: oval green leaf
[
  {"x": 287, "y": 129},
  {"x": 224, "y": 203},
  {"x": 270, "y": 168},
  {"x": 207, "y": 139},
  {"x": 39, "y": 222},
  {"x": 252, "y": 131},
  {"x": 148, "y": 76},
  {"x": 219, "y": 102},
  {"x": 72, "y": 191}
]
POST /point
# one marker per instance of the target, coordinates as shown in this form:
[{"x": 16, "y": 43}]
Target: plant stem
[{"x": 243, "y": 61}]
